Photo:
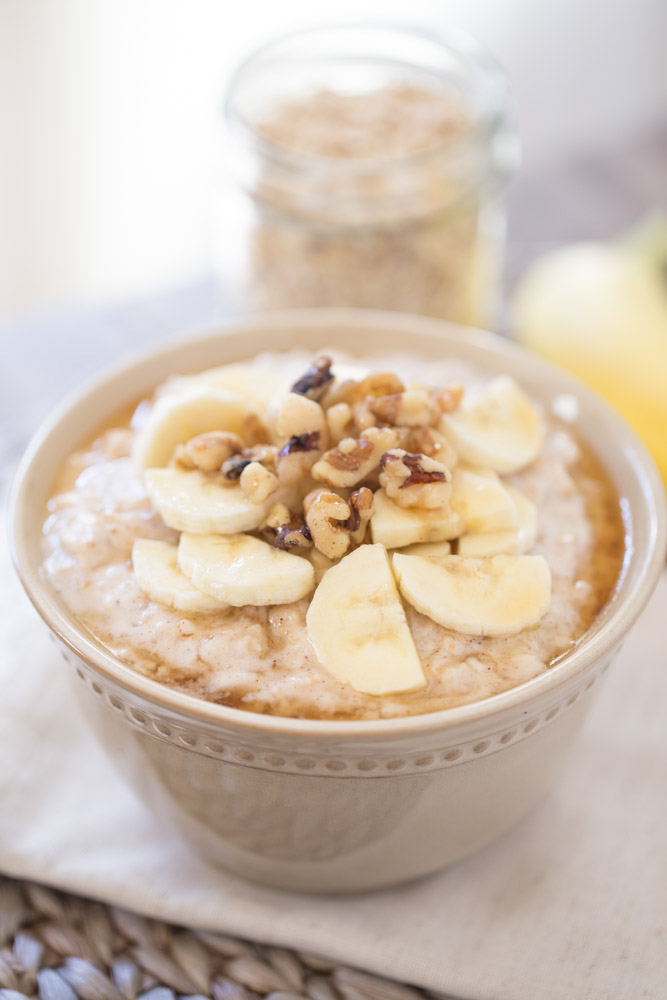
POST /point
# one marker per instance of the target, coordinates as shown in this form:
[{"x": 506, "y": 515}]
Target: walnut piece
[
  {"x": 233, "y": 468},
  {"x": 352, "y": 460},
  {"x": 449, "y": 399},
  {"x": 263, "y": 453},
  {"x": 412, "y": 408},
  {"x": 287, "y": 530},
  {"x": 355, "y": 392},
  {"x": 364, "y": 414},
  {"x": 361, "y": 504},
  {"x": 429, "y": 441},
  {"x": 412, "y": 480},
  {"x": 315, "y": 381},
  {"x": 339, "y": 421},
  {"x": 377, "y": 384},
  {"x": 278, "y": 515},
  {"x": 257, "y": 482},
  {"x": 208, "y": 451},
  {"x": 326, "y": 516}
]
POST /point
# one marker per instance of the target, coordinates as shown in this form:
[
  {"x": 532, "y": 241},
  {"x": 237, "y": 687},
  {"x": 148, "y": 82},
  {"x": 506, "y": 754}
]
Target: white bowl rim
[{"x": 620, "y": 619}]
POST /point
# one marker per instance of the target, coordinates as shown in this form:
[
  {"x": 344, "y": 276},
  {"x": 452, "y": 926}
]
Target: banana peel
[{"x": 600, "y": 311}]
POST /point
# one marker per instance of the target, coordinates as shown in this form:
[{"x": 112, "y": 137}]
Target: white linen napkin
[{"x": 570, "y": 903}]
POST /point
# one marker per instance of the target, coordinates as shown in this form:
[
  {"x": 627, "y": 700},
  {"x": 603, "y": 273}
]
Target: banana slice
[
  {"x": 498, "y": 596},
  {"x": 157, "y": 573},
  {"x": 358, "y": 627},
  {"x": 429, "y": 550},
  {"x": 499, "y": 428},
  {"x": 179, "y": 416},
  {"x": 259, "y": 385},
  {"x": 395, "y": 527},
  {"x": 240, "y": 570},
  {"x": 515, "y": 542},
  {"x": 190, "y": 500},
  {"x": 483, "y": 502}
]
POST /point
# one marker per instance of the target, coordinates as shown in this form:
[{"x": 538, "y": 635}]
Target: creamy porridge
[{"x": 371, "y": 544}]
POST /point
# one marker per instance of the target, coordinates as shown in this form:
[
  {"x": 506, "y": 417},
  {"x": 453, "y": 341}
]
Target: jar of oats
[{"x": 370, "y": 167}]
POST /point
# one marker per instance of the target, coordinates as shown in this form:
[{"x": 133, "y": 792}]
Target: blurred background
[{"x": 109, "y": 111}]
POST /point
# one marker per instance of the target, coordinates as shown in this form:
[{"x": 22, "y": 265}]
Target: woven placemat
[{"x": 57, "y": 946}]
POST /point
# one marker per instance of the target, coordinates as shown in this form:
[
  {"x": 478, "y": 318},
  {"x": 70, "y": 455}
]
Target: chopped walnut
[
  {"x": 352, "y": 460},
  {"x": 278, "y": 514},
  {"x": 234, "y": 466},
  {"x": 364, "y": 414},
  {"x": 263, "y": 453},
  {"x": 315, "y": 381},
  {"x": 287, "y": 529},
  {"x": 412, "y": 408},
  {"x": 338, "y": 391},
  {"x": 429, "y": 441},
  {"x": 353, "y": 391},
  {"x": 412, "y": 480},
  {"x": 208, "y": 451},
  {"x": 361, "y": 510},
  {"x": 378, "y": 384},
  {"x": 257, "y": 482},
  {"x": 326, "y": 516},
  {"x": 297, "y": 456},
  {"x": 449, "y": 399},
  {"x": 339, "y": 422}
]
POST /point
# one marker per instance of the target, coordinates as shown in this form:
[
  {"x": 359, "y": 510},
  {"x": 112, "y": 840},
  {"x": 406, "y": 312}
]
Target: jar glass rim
[{"x": 484, "y": 126}]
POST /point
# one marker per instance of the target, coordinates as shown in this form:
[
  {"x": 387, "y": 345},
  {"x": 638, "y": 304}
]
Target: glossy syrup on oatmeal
[{"x": 259, "y": 658}]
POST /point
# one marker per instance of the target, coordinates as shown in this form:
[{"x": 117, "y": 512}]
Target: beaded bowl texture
[{"x": 323, "y": 805}]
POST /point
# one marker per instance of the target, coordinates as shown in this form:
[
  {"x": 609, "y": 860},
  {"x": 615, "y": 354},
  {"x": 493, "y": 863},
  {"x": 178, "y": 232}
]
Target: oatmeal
[{"x": 318, "y": 539}]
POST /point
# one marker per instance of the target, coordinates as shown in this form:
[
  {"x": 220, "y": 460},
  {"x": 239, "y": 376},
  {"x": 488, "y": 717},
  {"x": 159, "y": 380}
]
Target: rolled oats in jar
[{"x": 373, "y": 163}]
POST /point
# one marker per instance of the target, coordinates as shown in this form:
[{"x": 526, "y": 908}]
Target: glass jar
[{"x": 370, "y": 167}]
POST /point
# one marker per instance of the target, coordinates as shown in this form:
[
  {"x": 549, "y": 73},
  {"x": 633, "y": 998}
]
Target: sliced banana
[
  {"x": 429, "y": 550},
  {"x": 395, "y": 527},
  {"x": 259, "y": 385},
  {"x": 515, "y": 542},
  {"x": 483, "y": 502},
  {"x": 498, "y": 596},
  {"x": 241, "y": 570},
  {"x": 190, "y": 500},
  {"x": 358, "y": 627},
  {"x": 499, "y": 428},
  {"x": 176, "y": 417},
  {"x": 157, "y": 574}
]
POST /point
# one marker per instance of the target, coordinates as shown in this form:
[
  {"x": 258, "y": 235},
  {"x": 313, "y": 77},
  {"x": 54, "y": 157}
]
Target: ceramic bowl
[{"x": 339, "y": 806}]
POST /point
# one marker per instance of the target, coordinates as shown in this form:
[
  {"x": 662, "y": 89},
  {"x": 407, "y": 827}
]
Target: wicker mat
[{"x": 56, "y": 946}]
